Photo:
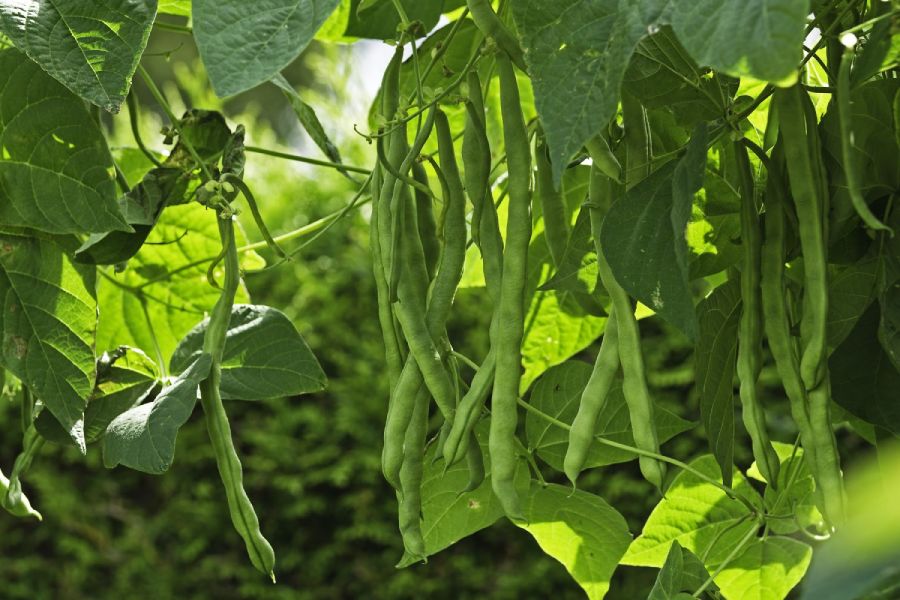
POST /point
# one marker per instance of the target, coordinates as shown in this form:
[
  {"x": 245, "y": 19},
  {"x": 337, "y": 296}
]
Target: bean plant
[{"x": 726, "y": 167}]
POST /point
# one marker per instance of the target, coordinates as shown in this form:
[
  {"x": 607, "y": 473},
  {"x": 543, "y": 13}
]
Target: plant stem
[{"x": 307, "y": 160}]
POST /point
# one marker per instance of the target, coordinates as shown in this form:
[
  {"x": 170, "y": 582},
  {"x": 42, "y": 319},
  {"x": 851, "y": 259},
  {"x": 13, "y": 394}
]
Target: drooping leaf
[
  {"x": 48, "y": 321},
  {"x": 56, "y": 173},
  {"x": 577, "y": 270},
  {"x": 577, "y": 52},
  {"x": 91, "y": 46},
  {"x": 863, "y": 378},
  {"x": 165, "y": 284},
  {"x": 578, "y": 529},
  {"x": 768, "y": 568},
  {"x": 682, "y": 572},
  {"x": 758, "y": 38},
  {"x": 265, "y": 356},
  {"x": 719, "y": 316},
  {"x": 699, "y": 515},
  {"x": 143, "y": 438},
  {"x": 644, "y": 239},
  {"x": 306, "y": 114},
  {"x": 558, "y": 392},
  {"x": 242, "y": 48}
]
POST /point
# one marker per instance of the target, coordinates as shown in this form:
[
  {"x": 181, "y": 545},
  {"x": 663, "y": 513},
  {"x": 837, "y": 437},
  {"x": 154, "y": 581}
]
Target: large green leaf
[
  {"x": 265, "y": 356},
  {"x": 769, "y": 568},
  {"x": 699, "y": 515},
  {"x": 577, "y": 52},
  {"x": 143, "y": 438},
  {"x": 92, "y": 46},
  {"x": 48, "y": 320},
  {"x": 243, "y": 45},
  {"x": 175, "y": 7},
  {"x": 719, "y": 316},
  {"x": 56, "y": 173},
  {"x": 759, "y": 38},
  {"x": 643, "y": 236},
  {"x": 558, "y": 393},
  {"x": 851, "y": 289},
  {"x": 578, "y": 529},
  {"x": 863, "y": 378},
  {"x": 163, "y": 292},
  {"x": 379, "y": 19}
]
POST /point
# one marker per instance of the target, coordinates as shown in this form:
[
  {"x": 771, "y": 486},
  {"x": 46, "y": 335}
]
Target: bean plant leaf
[
  {"x": 125, "y": 378},
  {"x": 242, "y": 48},
  {"x": 306, "y": 114},
  {"x": 165, "y": 284},
  {"x": 91, "y": 46},
  {"x": 757, "y": 38},
  {"x": 56, "y": 173},
  {"x": 143, "y": 438},
  {"x": 682, "y": 572},
  {"x": 719, "y": 316},
  {"x": 47, "y": 326},
  {"x": 851, "y": 289},
  {"x": 578, "y": 529},
  {"x": 182, "y": 8},
  {"x": 265, "y": 356},
  {"x": 697, "y": 514},
  {"x": 558, "y": 393},
  {"x": 449, "y": 516},
  {"x": 791, "y": 501},
  {"x": 863, "y": 378},
  {"x": 577, "y": 52},
  {"x": 644, "y": 236},
  {"x": 768, "y": 568}
]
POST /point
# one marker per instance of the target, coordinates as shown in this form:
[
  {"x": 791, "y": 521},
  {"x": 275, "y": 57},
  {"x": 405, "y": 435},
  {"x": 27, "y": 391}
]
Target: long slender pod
[
  {"x": 750, "y": 331},
  {"x": 805, "y": 179},
  {"x": 777, "y": 321},
  {"x": 476, "y": 155},
  {"x": 553, "y": 208},
  {"x": 242, "y": 513},
  {"x": 511, "y": 309},
  {"x": 492, "y": 27},
  {"x": 634, "y": 384}
]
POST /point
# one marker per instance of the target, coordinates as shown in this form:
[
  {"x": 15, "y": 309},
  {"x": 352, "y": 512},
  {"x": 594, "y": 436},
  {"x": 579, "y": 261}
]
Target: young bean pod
[
  {"x": 409, "y": 495},
  {"x": 581, "y": 435},
  {"x": 492, "y": 27}
]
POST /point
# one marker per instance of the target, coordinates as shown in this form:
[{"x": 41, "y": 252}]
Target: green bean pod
[
  {"x": 243, "y": 516},
  {"x": 428, "y": 231},
  {"x": 13, "y": 499},
  {"x": 581, "y": 435},
  {"x": 476, "y": 154},
  {"x": 804, "y": 185},
  {"x": 749, "y": 356},
  {"x": 638, "y": 145},
  {"x": 511, "y": 309},
  {"x": 845, "y": 117},
  {"x": 475, "y": 464},
  {"x": 777, "y": 321},
  {"x": 410, "y": 494},
  {"x": 469, "y": 410},
  {"x": 634, "y": 384},
  {"x": 492, "y": 27},
  {"x": 553, "y": 208}
]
